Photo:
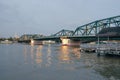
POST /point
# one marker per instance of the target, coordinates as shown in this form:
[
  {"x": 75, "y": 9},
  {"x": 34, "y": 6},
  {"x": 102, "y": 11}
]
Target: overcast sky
[{"x": 50, "y": 16}]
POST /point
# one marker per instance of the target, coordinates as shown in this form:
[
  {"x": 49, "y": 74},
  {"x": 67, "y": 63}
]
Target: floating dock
[
  {"x": 108, "y": 49},
  {"x": 102, "y": 49}
]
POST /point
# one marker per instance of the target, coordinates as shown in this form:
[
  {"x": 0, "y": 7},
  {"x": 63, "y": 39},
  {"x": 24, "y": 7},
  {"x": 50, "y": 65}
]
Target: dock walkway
[{"x": 102, "y": 49}]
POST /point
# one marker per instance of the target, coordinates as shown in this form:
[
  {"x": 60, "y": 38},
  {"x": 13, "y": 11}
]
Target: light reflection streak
[
  {"x": 69, "y": 54},
  {"x": 49, "y": 56},
  {"x": 39, "y": 54},
  {"x": 28, "y": 57},
  {"x": 64, "y": 55},
  {"x": 25, "y": 54},
  {"x": 32, "y": 54}
]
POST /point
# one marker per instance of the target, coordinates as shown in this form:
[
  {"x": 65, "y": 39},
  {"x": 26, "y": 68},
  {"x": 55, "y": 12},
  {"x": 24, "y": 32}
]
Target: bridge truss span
[
  {"x": 64, "y": 32},
  {"x": 87, "y": 32},
  {"x": 94, "y": 27}
]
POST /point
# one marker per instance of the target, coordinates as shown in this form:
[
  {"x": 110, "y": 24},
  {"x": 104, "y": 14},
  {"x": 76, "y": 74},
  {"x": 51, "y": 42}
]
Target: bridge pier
[
  {"x": 68, "y": 42},
  {"x": 65, "y": 41}
]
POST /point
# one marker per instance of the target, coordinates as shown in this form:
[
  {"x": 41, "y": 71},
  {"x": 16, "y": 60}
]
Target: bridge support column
[
  {"x": 65, "y": 41},
  {"x": 68, "y": 42}
]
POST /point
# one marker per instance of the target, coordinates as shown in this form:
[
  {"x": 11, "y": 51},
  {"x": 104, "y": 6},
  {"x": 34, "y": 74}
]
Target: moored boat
[
  {"x": 6, "y": 42},
  {"x": 35, "y": 42}
]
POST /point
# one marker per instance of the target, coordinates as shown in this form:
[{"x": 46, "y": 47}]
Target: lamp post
[{"x": 98, "y": 46}]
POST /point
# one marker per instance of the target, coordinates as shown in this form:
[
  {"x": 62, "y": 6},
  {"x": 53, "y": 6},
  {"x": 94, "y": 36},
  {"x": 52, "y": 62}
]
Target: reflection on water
[
  {"x": 49, "y": 55},
  {"x": 39, "y": 55},
  {"x": 76, "y": 52},
  {"x": 64, "y": 55},
  {"x": 35, "y": 54},
  {"x": 32, "y": 53},
  {"x": 25, "y": 54},
  {"x": 106, "y": 66},
  {"x": 35, "y": 62},
  {"x": 68, "y": 54},
  {"x": 109, "y": 67}
]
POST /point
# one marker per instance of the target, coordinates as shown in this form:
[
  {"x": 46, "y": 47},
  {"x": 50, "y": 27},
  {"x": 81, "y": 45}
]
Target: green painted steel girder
[
  {"x": 64, "y": 32},
  {"x": 94, "y": 27}
]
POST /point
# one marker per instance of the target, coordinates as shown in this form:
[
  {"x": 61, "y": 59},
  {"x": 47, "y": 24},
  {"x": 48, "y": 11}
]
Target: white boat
[
  {"x": 48, "y": 42},
  {"x": 6, "y": 42},
  {"x": 34, "y": 42}
]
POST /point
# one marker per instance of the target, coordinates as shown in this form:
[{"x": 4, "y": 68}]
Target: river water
[{"x": 55, "y": 62}]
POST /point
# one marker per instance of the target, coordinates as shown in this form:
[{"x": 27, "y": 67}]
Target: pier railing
[
  {"x": 102, "y": 49},
  {"x": 113, "y": 49}
]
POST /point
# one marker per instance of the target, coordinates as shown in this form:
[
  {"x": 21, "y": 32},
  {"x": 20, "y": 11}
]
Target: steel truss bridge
[{"x": 87, "y": 31}]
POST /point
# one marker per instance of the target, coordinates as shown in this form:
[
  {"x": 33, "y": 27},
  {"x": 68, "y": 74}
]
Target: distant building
[
  {"x": 110, "y": 31},
  {"x": 30, "y": 36}
]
